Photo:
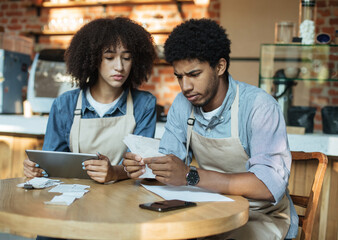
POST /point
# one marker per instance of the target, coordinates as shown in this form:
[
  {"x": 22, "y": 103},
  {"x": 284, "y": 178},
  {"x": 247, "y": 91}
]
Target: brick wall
[
  {"x": 326, "y": 94},
  {"x": 18, "y": 18}
]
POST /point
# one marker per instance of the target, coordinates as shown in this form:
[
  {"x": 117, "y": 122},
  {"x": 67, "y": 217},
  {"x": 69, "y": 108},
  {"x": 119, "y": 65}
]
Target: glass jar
[
  {"x": 307, "y": 20},
  {"x": 284, "y": 32}
]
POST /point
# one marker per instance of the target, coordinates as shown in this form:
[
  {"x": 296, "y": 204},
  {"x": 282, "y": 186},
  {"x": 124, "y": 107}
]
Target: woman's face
[{"x": 115, "y": 66}]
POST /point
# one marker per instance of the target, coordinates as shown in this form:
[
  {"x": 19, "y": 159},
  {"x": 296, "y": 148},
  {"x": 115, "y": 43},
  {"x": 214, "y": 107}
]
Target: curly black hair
[
  {"x": 84, "y": 54},
  {"x": 201, "y": 39}
]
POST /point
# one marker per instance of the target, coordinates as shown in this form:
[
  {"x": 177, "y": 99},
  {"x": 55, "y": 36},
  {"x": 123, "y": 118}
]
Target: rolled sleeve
[{"x": 270, "y": 157}]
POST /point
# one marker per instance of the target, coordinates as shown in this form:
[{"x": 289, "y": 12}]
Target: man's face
[{"x": 199, "y": 82}]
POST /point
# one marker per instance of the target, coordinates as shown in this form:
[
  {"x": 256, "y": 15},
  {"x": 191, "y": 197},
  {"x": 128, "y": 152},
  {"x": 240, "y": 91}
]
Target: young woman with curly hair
[{"x": 107, "y": 59}]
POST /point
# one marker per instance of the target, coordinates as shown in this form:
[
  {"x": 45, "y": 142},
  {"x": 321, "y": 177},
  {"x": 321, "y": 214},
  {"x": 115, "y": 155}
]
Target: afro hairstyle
[
  {"x": 201, "y": 39},
  {"x": 84, "y": 54}
]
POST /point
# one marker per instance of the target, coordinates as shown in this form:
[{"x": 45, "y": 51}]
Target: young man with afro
[{"x": 235, "y": 131}]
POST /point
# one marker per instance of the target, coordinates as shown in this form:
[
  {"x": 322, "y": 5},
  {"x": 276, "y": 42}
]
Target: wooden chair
[{"x": 310, "y": 203}]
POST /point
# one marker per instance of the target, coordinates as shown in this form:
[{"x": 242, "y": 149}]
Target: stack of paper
[
  {"x": 144, "y": 147},
  {"x": 70, "y": 192}
]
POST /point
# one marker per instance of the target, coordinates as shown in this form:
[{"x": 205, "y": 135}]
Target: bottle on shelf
[{"x": 307, "y": 20}]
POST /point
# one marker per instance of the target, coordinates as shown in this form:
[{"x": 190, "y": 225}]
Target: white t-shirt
[
  {"x": 100, "y": 108},
  {"x": 209, "y": 115}
]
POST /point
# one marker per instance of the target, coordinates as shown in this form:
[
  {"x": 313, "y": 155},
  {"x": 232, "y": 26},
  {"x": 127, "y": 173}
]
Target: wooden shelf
[
  {"x": 61, "y": 33},
  {"x": 105, "y": 3}
]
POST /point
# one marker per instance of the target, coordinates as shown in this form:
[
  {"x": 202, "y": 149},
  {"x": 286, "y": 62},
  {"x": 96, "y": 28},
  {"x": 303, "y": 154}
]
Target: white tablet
[{"x": 61, "y": 164}]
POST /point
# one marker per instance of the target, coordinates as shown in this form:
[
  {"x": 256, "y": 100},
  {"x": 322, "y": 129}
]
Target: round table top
[{"x": 112, "y": 211}]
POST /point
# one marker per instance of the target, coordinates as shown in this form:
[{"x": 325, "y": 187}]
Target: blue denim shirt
[
  {"x": 61, "y": 116},
  {"x": 262, "y": 132}
]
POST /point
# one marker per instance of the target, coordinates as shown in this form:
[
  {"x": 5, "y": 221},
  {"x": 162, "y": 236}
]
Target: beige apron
[
  {"x": 103, "y": 135},
  {"x": 266, "y": 221}
]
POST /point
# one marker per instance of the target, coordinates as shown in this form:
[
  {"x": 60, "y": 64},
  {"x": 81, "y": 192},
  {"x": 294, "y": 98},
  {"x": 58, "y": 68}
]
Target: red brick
[
  {"x": 334, "y": 21},
  {"x": 14, "y": 20},
  {"x": 213, "y": 14},
  {"x": 333, "y": 3},
  {"x": 316, "y": 90},
  {"x": 334, "y": 101},
  {"x": 4, "y": 6},
  {"x": 333, "y": 57},
  {"x": 321, "y": 4},
  {"x": 335, "y": 12},
  {"x": 329, "y": 30},
  {"x": 318, "y": 117},
  {"x": 148, "y": 87},
  {"x": 14, "y": 14},
  {"x": 169, "y": 79},
  {"x": 175, "y": 88},
  {"x": 33, "y": 27},
  {"x": 155, "y": 79},
  {"x": 14, "y": 27},
  {"x": 188, "y": 7},
  {"x": 14, "y": 6},
  {"x": 333, "y": 92},
  {"x": 216, "y": 6},
  {"x": 166, "y": 70},
  {"x": 320, "y": 21},
  {"x": 4, "y": 21},
  {"x": 318, "y": 127},
  {"x": 324, "y": 12}
]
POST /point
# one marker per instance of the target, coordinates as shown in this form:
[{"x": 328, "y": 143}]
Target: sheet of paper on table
[
  {"x": 70, "y": 192},
  {"x": 187, "y": 193},
  {"x": 145, "y": 147}
]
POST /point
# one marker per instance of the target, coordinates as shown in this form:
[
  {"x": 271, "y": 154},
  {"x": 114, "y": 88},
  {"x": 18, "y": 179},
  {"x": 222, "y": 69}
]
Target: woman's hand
[
  {"x": 133, "y": 165},
  {"x": 100, "y": 170},
  {"x": 31, "y": 169}
]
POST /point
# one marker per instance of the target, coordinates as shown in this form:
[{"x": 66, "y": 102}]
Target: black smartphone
[{"x": 167, "y": 205}]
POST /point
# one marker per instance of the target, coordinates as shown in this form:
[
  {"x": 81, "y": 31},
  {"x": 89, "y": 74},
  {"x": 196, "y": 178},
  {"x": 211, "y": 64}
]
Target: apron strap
[
  {"x": 234, "y": 115},
  {"x": 234, "y": 122},
  {"x": 130, "y": 104},
  {"x": 190, "y": 122},
  {"x": 76, "y": 123}
]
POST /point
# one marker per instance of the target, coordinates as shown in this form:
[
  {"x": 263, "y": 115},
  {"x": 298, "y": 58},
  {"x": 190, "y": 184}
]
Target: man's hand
[
  {"x": 31, "y": 169},
  {"x": 168, "y": 169},
  {"x": 133, "y": 165},
  {"x": 99, "y": 170}
]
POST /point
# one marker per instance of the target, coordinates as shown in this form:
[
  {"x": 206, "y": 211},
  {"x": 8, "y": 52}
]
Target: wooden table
[{"x": 112, "y": 212}]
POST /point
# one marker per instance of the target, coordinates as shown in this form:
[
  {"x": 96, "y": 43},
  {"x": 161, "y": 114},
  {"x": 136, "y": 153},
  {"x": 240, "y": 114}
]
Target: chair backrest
[{"x": 310, "y": 203}]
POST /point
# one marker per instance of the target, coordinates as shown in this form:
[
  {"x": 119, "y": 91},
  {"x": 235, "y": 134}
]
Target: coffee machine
[{"x": 13, "y": 80}]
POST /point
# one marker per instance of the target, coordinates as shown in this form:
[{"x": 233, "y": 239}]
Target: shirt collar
[
  {"x": 226, "y": 105},
  {"x": 121, "y": 105}
]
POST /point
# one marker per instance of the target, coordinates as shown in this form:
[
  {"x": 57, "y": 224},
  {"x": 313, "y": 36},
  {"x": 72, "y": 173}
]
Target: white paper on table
[
  {"x": 62, "y": 188},
  {"x": 75, "y": 194},
  {"x": 145, "y": 147},
  {"x": 187, "y": 193},
  {"x": 61, "y": 200},
  {"x": 40, "y": 182}
]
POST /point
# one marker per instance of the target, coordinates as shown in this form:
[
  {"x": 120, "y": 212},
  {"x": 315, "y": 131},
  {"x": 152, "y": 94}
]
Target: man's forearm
[{"x": 244, "y": 184}]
